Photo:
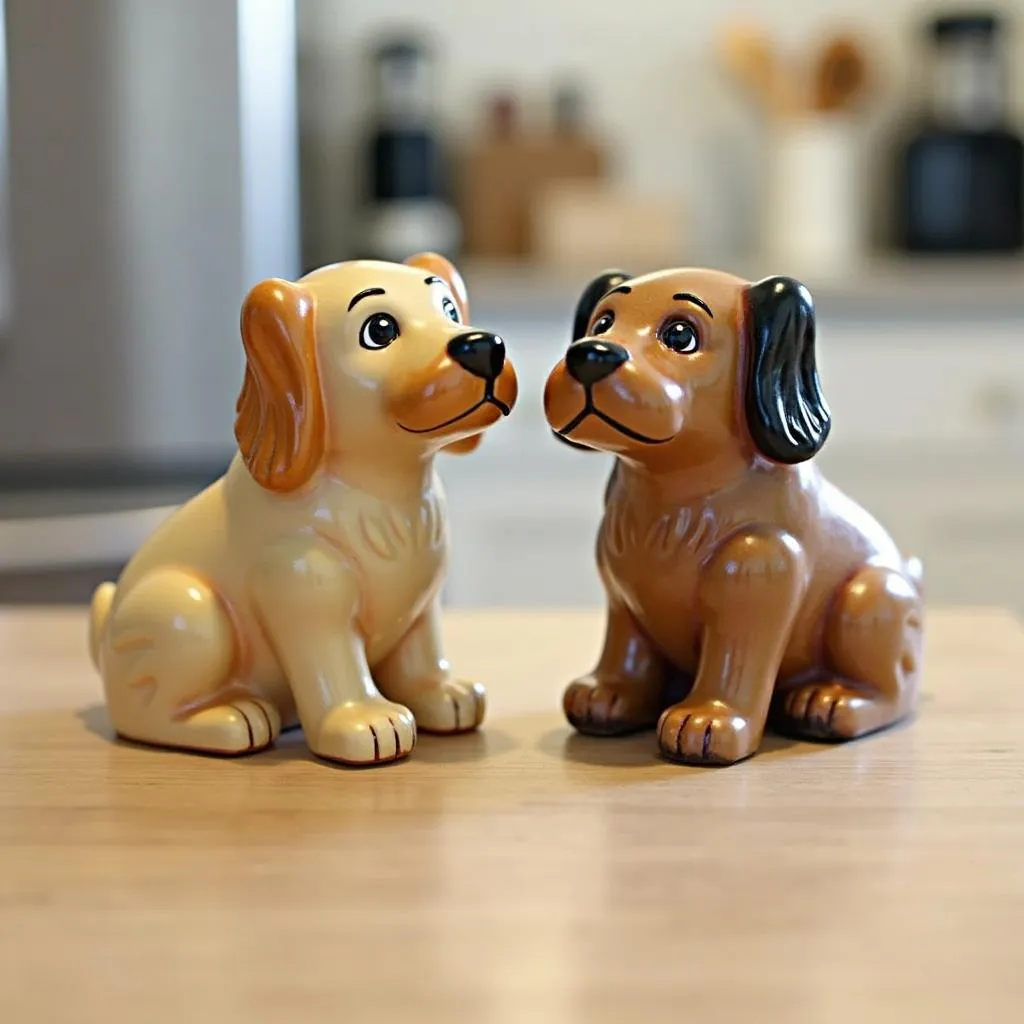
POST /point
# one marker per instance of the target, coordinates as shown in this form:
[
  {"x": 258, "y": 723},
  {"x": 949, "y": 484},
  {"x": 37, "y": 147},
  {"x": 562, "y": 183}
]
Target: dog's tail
[
  {"x": 102, "y": 599},
  {"x": 914, "y": 571}
]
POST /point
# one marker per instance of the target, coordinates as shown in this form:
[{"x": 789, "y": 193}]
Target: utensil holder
[{"x": 813, "y": 220}]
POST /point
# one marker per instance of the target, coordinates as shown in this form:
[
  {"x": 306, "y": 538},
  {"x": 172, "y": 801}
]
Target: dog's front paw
[
  {"x": 447, "y": 705},
  {"x": 369, "y": 732},
  {"x": 610, "y": 708},
  {"x": 710, "y": 733}
]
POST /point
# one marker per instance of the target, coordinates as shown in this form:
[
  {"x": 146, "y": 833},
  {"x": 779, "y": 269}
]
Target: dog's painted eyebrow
[
  {"x": 687, "y": 297},
  {"x": 623, "y": 289},
  {"x": 364, "y": 294},
  {"x": 432, "y": 280}
]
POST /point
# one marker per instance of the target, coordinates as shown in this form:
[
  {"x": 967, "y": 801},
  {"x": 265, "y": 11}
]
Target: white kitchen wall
[{"x": 648, "y": 68}]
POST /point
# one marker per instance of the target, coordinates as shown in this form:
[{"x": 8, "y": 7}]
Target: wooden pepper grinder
[
  {"x": 571, "y": 152},
  {"x": 495, "y": 184},
  {"x": 509, "y": 169}
]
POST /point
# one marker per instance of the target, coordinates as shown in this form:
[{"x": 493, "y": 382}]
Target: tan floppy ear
[
  {"x": 280, "y": 423},
  {"x": 465, "y": 445},
  {"x": 436, "y": 265}
]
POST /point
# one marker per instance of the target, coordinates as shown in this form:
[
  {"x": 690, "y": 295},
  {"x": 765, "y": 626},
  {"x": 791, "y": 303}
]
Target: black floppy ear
[
  {"x": 787, "y": 415},
  {"x": 591, "y": 296}
]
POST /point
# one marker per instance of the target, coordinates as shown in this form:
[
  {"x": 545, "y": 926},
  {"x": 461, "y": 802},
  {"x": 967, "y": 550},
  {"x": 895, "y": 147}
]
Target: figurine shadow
[
  {"x": 464, "y": 748},
  {"x": 640, "y": 749},
  {"x": 481, "y": 745},
  {"x": 94, "y": 718},
  {"x": 637, "y": 750}
]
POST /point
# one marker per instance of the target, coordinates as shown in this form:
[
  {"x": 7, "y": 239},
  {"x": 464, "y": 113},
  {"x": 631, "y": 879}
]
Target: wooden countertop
[{"x": 521, "y": 874}]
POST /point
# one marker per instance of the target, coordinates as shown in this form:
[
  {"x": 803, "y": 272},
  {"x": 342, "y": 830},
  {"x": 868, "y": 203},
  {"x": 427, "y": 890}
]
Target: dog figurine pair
[{"x": 303, "y": 586}]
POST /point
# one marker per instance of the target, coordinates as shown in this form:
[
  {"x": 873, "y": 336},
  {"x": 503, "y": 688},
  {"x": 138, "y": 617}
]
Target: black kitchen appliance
[
  {"x": 961, "y": 167},
  {"x": 408, "y": 207}
]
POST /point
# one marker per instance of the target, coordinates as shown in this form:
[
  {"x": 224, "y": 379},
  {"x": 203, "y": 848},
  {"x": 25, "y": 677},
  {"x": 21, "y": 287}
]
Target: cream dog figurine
[{"x": 303, "y": 585}]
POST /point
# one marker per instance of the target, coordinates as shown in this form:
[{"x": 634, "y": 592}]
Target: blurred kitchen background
[{"x": 160, "y": 156}]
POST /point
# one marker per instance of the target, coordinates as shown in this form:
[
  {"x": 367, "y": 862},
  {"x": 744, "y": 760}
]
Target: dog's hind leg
[
  {"x": 167, "y": 655},
  {"x": 873, "y": 642}
]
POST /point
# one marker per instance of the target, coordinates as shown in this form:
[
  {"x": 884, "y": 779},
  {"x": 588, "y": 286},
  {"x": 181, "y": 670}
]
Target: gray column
[{"x": 153, "y": 179}]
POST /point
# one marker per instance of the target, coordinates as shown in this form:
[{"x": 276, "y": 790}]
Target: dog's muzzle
[{"x": 587, "y": 362}]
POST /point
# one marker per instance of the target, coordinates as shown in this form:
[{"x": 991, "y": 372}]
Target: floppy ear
[
  {"x": 280, "y": 424},
  {"x": 787, "y": 415},
  {"x": 435, "y": 264},
  {"x": 591, "y": 296}
]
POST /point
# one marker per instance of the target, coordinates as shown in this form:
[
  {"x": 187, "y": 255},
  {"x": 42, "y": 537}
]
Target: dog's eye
[
  {"x": 450, "y": 310},
  {"x": 603, "y": 323},
  {"x": 378, "y": 331},
  {"x": 680, "y": 336}
]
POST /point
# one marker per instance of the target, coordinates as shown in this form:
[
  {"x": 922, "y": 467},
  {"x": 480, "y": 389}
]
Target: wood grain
[{"x": 521, "y": 874}]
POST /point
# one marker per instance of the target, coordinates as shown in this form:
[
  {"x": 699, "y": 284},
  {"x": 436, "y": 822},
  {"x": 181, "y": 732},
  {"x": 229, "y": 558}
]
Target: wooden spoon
[
  {"x": 748, "y": 54},
  {"x": 841, "y": 75}
]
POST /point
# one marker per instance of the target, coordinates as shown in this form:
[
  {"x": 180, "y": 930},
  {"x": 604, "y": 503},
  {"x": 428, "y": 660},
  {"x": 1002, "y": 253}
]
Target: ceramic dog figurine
[
  {"x": 740, "y": 583},
  {"x": 303, "y": 585}
]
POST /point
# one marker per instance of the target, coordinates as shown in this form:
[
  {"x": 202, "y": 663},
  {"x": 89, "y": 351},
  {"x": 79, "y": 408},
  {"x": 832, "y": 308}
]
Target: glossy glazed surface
[
  {"x": 303, "y": 586},
  {"x": 739, "y": 581}
]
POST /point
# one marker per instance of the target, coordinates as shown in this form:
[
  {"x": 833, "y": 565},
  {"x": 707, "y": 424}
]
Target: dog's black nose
[
  {"x": 481, "y": 353},
  {"x": 591, "y": 361}
]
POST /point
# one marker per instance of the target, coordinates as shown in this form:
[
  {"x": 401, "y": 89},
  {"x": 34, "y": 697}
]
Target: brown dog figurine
[
  {"x": 736, "y": 576},
  {"x": 303, "y": 586}
]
